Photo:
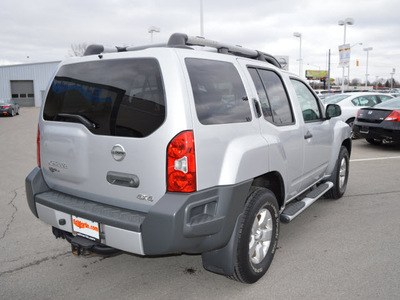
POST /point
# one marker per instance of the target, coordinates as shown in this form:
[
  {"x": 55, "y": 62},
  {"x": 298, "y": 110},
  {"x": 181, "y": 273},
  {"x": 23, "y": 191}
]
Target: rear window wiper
[{"x": 81, "y": 119}]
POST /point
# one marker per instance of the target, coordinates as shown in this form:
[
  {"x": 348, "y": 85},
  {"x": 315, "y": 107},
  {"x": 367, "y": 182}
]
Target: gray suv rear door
[{"x": 100, "y": 124}]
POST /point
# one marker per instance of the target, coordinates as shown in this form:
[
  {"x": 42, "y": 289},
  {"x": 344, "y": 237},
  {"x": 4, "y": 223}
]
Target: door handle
[
  {"x": 123, "y": 179},
  {"x": 257, "y": 108},
  {"x": 308, "y": 135}
]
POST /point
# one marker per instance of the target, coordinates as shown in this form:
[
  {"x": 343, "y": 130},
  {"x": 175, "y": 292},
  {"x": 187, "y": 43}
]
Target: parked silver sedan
[{"x": 9, "y": 107}]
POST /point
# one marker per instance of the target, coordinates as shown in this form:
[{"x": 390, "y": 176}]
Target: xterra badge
[{"x": 55, "y": 166}]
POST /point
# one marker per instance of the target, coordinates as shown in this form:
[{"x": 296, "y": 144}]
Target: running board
[{"x": 293, "y": 210}]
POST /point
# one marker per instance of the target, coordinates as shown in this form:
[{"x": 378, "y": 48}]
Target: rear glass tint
[
  {"x": 121, "y": 97},
  {"x": 218, "y": 92}
]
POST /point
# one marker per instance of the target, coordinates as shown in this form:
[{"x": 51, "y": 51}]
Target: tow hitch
[{"x": 83, "y": 246}]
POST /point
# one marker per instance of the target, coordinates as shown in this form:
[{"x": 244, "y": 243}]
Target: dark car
[
  {"x": 380, "y": 123},
  {"x": 9, "y": 107}
]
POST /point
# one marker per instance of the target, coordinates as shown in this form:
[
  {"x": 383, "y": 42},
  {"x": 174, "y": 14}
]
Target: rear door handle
[{"x": 308, "y": 135}]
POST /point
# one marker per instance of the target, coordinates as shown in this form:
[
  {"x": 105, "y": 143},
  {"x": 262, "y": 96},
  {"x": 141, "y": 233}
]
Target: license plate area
[
  {"x": 85, "y": 228},
  {"x": 364, "y": 129}
]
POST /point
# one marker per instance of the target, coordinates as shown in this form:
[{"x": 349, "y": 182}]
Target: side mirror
[{"x": 333, "y": 110}]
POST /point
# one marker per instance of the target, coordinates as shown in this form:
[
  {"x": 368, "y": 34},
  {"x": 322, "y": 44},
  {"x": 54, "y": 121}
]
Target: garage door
[{"x": 22, "y": 92}]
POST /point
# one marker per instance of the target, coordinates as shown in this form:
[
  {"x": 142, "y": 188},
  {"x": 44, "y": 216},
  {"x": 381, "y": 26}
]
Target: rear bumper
[
  {"x": 389, "y": 131},
  {"x": 5, "y": 111},
  {"x": 190, "y": 223}
]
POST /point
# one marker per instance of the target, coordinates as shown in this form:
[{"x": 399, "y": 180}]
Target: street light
[
  {"x": 298, "y": 34},
  {"x": 345, "y": 22},
  {"x": 151, "y": 30},
  {"x": 201, "y": 19},
  {"x": 366, "y": 72},
  {"x": 348, "y": 67}
]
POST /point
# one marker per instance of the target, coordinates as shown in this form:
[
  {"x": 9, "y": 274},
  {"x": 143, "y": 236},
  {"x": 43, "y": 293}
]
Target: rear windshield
[{"x": 120, "y": 97}]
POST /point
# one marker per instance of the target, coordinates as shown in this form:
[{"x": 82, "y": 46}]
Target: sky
[{"x": 44, "y": 30}]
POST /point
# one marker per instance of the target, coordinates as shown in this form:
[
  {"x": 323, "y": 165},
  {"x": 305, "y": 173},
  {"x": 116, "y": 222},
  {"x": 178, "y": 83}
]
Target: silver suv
[{"x": 189, "y": 147}]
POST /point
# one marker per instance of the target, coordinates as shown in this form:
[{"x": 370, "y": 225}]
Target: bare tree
[
  {"x": 77, "y": 49},
  {"x": 355, "y": 82}
]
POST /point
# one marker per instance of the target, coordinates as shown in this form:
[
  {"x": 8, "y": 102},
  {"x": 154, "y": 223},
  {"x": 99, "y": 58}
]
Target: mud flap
[{"x": 222, "y": 261}]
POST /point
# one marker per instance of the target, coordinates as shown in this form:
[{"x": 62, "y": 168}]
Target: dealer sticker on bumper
[{"x": 85, "y": 228}]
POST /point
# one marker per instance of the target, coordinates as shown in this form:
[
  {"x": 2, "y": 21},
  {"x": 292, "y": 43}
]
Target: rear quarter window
[
  {"x": 218, "y": 92},
  {"x": 274, "y": 100},
  {"x": 121, "y": 97}
]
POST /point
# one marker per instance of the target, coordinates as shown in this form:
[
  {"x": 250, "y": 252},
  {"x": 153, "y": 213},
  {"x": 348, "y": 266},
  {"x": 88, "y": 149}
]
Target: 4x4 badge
[{"x": 118, "y": 152}]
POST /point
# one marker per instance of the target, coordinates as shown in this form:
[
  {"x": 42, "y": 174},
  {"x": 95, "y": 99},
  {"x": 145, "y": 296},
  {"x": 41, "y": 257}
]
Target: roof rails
[{"x": 181, "y": 40}]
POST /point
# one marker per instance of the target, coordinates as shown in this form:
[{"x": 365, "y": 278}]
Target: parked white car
[{"x": 350, "y": 103}]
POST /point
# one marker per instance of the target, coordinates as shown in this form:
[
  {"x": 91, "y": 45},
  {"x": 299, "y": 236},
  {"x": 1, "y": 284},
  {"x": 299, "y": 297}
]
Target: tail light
[
  {"x": 358, "y": 112},
  {"x": 394, "y": 116},
  {"x": 181, "y": 165},
  {"x": 38, "y": 148}
]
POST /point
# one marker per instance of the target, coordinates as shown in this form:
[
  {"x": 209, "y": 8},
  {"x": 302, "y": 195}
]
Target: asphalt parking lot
[{"x": 343, "y": 249}]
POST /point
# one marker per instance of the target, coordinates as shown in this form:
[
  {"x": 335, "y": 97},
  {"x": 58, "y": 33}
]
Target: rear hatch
[{"x": 99, "y": 131}]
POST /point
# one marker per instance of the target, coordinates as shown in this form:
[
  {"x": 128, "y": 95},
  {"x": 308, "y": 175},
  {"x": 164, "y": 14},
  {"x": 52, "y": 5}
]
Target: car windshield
[
  {"x": 3, "y": 101},
  {"x": 335, "y": 99},
  {"x": 393, "y": 103}
]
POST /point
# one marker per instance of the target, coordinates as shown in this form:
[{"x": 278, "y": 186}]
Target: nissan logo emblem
[{"x": 118, "y": 152}]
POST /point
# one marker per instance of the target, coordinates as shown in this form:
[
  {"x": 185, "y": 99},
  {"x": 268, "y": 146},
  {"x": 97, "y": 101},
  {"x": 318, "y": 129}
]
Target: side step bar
[{"x": 293, "y": 210}]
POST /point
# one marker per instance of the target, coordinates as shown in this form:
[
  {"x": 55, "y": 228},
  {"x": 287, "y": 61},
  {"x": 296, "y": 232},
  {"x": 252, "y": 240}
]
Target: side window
[
  {"x": 218, "y": 92},
  {"x": 272, "y": 94},
  {"x": 384, "y": 98},
  {"x": 308, "y": 103},
  {"x": 262, "y": 95},
  {"x": 368, "y": 100}
]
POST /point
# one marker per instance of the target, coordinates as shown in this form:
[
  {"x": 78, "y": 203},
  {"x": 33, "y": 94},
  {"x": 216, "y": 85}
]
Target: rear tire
[
  {"x": 354, "y": 135},
  {"x": 258, "y": 236},
  {"x": 340, "y": 175}
]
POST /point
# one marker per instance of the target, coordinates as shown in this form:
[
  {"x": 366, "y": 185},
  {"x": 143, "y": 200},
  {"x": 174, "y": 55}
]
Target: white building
[{"x": 26, "y": 83}]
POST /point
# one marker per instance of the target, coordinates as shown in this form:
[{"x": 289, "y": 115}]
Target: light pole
[
  {"x": 151, "y": 30},
  {"x": 201, "y": 19},
  {"x": 345, "y": 22},
  {"x": 391, "y": 82},
  {"x": 348, "y": 67},
  {"x": 298, "y": 34},
  {"x": 366, "y": 72}
]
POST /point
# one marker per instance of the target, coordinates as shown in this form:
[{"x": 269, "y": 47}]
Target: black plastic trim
[
  {"x": 34, "y": 184},
  {"x": 178, "y": 222},
  {"x": 169, "y": 228},
  {"x": 94, "y": 211}
]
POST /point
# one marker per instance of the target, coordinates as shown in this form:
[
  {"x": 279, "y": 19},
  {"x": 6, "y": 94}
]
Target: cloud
[{"x": 44, "y": 30}]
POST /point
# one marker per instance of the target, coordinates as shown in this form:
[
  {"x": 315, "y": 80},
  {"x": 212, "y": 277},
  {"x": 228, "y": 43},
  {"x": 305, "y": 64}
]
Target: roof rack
[{"x": 181, "y": 40}]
